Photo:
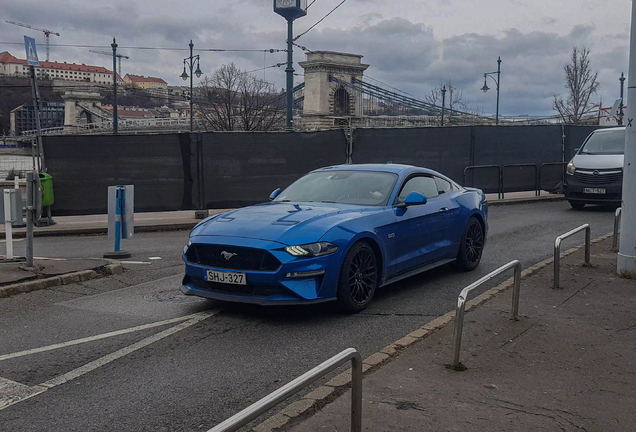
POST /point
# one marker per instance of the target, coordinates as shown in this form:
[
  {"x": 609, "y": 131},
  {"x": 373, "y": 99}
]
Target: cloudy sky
[{"x": 412, "y": 45}]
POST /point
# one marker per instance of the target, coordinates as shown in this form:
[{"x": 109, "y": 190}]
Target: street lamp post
[
  {"x": 290, "y": 10},
  {"x": 485, "y": 88},
  {"x": 620, "y": 110},
  {"x": 189, "y": 62},
  {"x": 443, "y": 102}
]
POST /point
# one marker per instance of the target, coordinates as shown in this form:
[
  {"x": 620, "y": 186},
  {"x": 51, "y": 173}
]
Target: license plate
[
  {"x": 225, "y": 277},
  {"x": 594, "y": 190}
]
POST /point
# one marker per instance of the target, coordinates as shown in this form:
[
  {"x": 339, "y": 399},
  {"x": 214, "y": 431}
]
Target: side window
[
  {"x": 443, "y": 186},
  {"x": 424, "y": 185}
]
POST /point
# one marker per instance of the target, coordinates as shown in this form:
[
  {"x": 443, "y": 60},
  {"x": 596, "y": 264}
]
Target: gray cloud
[{"x": 402, "y": 51}]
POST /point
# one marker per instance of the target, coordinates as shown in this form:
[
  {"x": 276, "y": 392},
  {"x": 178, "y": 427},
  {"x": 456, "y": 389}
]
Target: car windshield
[
  {"x": 605, "y": 142},
  {"x": 347, "y": 187}
]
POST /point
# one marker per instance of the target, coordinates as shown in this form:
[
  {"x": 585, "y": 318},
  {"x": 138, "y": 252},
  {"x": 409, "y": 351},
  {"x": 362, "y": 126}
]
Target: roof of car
[{"x": 387, "y": 167}]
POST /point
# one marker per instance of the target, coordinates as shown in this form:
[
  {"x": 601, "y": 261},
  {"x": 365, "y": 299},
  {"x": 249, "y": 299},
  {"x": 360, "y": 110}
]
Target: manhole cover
[{"x": 172, "y": 297}]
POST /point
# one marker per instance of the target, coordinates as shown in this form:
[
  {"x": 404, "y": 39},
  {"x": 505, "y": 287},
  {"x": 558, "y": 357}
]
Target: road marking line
[
  {"x": 93, "y": 338},
  {"x": 12, "y": 393}
]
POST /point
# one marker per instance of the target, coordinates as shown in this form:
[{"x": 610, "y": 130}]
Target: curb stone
[
  {"x": 65, "y": 279},
  {"x": 337, "y": 385}
]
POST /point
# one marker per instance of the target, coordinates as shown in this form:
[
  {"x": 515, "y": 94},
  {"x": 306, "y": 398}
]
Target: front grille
[
  {"x": 240, "y": 258},
  {"x": 256, "y": 290},
  {"x": 599, "y": 179}
]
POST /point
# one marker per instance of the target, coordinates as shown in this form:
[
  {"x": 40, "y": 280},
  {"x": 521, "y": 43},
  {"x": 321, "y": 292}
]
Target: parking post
[
  {"x": 7, "y": 223},
  {"x": 118, "y": 227}
]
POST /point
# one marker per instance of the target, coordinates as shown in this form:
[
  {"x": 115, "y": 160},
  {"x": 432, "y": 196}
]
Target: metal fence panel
[
  {"x": 485, "y": 177},
  {"x": 519, "y": 177},
  {"x": 446, "y": 150},
  {"x": 244, "y": 168},
  {"x": 83, "y": 167},
  {"x": 502, "y": 145}
]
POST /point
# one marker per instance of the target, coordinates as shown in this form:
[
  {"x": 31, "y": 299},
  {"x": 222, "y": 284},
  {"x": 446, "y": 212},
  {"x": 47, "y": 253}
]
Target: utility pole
[
  {"x": 627, "y": 251},
  {"x": 115, "y": 124}
]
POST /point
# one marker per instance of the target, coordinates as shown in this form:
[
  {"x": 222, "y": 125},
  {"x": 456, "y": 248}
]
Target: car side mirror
[
  {"x": 274, "y": 194},
  {"x": 415, "y": 198}
]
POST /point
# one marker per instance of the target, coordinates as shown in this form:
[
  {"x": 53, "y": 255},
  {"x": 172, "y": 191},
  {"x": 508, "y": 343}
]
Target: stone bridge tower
[
  {"x": 326, "y": 101},
  {"x": 82, "y": 108}
]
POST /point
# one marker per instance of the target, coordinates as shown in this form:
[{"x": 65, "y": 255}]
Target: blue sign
[{"x": 31, "y": 51}]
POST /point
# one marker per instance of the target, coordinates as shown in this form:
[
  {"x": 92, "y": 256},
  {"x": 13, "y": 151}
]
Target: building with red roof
[{"x": 13, "y": 66}]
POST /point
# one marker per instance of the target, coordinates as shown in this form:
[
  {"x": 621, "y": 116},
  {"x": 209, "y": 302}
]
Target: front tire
[
  {"x": 358, "y": 278},
  {"x": 471, "y": 246}
]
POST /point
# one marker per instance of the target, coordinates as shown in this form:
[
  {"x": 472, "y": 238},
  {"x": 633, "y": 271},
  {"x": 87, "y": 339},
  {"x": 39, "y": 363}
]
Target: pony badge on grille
[{"x": 227, "y": 255}]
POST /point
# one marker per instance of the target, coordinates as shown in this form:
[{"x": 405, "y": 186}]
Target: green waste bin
[{"x": 46, "y": 185}]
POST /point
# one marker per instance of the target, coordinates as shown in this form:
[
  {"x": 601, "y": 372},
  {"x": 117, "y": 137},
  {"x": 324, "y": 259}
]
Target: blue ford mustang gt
[{"x": 337, "y": 233}]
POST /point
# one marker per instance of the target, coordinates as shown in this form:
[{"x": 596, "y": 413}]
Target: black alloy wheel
[
  {"x": 358, "y": 278},
  {"x": 471, "y": 246}
]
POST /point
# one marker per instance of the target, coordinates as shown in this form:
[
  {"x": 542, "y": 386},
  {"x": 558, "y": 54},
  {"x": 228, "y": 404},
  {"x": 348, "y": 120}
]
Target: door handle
[{"x": 443, "y": 209}]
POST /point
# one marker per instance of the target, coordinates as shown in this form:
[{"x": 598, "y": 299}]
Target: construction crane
[
  {"x": 47, "y": 33},
  {"x": 110, "y": 54}
]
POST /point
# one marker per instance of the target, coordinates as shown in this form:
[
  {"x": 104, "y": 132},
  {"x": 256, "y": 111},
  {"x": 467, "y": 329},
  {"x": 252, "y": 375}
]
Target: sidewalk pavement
[
  {"x": 184, "y": 219},
  {"x": 567, "y": 365},
  {"x": 16, "y": 278}
]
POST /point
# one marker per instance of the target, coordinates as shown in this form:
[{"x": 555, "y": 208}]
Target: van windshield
[{"x": 605, "y": 142}]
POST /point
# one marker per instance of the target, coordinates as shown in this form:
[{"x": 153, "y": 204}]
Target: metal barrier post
[
  {"x": 258, "y": 408},
  {"x": 8, "y": 222},
  {"x": 461, "y": 304},
  {"x": 557, "y": 250},
  {"x": 617, "y": 223}
]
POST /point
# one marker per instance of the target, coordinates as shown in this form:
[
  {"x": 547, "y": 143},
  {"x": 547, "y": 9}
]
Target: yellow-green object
[{"x": 46, "y": 184}]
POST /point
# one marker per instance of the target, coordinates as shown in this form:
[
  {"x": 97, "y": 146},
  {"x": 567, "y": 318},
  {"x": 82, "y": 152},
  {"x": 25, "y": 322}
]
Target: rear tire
[
  {"x": 358, "y": 278},
  {"x": 577, "y": 205},
  {"x": 471, "y": 246}
]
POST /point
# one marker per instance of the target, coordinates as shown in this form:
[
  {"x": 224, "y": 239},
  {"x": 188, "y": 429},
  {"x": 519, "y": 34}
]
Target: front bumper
[
  {"x": 266, "y": 287},
  {"x": 575, "y": 191}
]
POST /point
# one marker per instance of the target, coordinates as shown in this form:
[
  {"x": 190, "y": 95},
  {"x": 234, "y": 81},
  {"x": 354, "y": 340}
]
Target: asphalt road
[{"x": 191, "y": 373}]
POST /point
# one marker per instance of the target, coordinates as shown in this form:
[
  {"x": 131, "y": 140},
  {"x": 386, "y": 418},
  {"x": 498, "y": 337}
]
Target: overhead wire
[
  {"x": 319, "y": 21},
  {"x": 270, "y": 50}
]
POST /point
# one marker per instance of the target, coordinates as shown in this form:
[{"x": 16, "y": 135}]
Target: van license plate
[
  {"x": 226, "y": 277},
  {"x": 594, "y": 190}
]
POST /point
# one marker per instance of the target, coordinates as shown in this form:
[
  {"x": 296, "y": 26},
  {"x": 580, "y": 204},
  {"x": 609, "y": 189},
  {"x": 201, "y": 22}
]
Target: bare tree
[
  {"x": 234, "y": 100},
  {"x": 581, "y": 83},
  {"x": 453, "y": 101}
]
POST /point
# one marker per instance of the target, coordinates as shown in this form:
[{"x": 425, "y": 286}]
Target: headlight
[
  {"x": 570, "y": 169},
  {"x": 312, "y": 250}
]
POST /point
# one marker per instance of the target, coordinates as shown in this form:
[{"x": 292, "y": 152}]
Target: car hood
[
  {"x": 286, "y": 223},
  {"x": 585, "y": 161}
]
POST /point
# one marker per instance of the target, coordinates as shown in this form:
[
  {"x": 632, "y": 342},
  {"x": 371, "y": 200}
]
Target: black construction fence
[{"x": 188, "y": 171}]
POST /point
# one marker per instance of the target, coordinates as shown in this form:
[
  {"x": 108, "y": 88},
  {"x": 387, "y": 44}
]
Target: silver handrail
[
  {"x": 557, "y": 250},
  {"x": 617, "y": 223},
  {"x": 256, "y": 409},
  {"x": 461, "y": 304}
]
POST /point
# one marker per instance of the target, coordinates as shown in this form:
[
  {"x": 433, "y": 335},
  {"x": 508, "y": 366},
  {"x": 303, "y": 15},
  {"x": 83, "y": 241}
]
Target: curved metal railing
[
  {"x": 557, "y": 250},
  {"x": 461, "y": 304},
  {"x": 256, "y": 409}
]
